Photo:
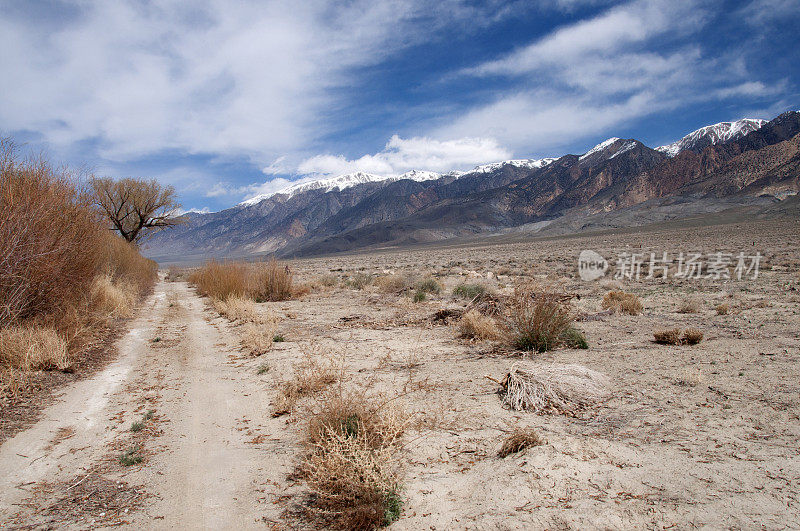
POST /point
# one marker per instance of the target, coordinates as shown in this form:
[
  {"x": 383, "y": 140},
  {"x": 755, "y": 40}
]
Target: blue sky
[{"x": 226, "y": 99}]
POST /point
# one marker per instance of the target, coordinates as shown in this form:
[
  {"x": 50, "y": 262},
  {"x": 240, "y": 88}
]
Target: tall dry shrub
[
  {"x": 261, "y": 281},
  {"x": 221, "y": 280},
  {"x": 538, "y": 318},
  {"x": 271, "y": 281},
  {"x": 50, "y": 239}
]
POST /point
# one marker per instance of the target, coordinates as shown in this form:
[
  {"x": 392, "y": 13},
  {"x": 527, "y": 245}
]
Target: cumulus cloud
[{"x": 417, "y": 153}]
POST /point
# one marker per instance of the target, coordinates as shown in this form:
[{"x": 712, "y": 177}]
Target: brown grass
[
  {"x": 260, "y": 281},
  {"x": 538, "y": 318},
  {"x": 518, "y": 440},
  {"x": 691, "y": 305},
  {"x": 474, "y": 324},
  {"x": 310, "y": 377},
  {"x": 393, "y": 283},
  {"x": 723, "y": 309},
  {"x": 668, "y": 337},
  {"x": 351, "y": 462},
  {"x": 258, "y": 338},
  {"x": 33, "y": 348},
  {"x": 691, "y": 336},
  {"x": 621, "y": 302},
  {"x": 114, "y": 299}
]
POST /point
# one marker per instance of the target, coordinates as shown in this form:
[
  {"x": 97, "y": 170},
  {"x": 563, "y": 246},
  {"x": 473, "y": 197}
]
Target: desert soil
[{"x": 692, "y": 436}]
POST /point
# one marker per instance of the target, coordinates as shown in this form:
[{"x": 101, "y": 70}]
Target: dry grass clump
[
  {"x": 723, "y": 309},
  {"x": 538, "y": 319},
  {"x": 236, "y": 308},
  {"x": 258, "y": 338},
  {"x": 311, "y": 376},
  {"x": 518, "y": 440},
  {"x": 552, "y": 388},
  {"x": 474, "y": 324},
  {"x": 621, "y": 302},
  {"x": 33, "y": 348},
  {"x": 359, "y": 281},
  {"x": 329, "y": 280},
  {"x": 261, "y": 281},
  {"x": 116, "y": 299},
  {"x": 671, "y": 336},
  {"x": 351, "y": 463},
  {"x": 428, "y": 285},
  {"x": 392, "y": 283},
  {"x": 691, "y": 336},
  {"x": 469, "y": 291},
  {"x": 691, "y": 305}
]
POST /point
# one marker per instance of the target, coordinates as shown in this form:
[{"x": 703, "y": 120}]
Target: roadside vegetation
[{"x": 64, "y": 277}]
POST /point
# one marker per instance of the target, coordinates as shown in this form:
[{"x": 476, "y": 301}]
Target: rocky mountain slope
[{"x": 741, "y": 160}]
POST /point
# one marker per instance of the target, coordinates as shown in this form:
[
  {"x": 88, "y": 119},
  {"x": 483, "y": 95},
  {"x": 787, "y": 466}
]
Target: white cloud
[
  {"x": 593, "y": 76},
  {"x": 418, "y": 153},
  {"x": 234, "y": 78},
  {"x": 609, "y": 32}
]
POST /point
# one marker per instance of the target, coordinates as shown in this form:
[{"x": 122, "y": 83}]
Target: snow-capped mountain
[
  {"x": 347, "y": 180},
  {"x": 339, "y": 182},
  {"x": 711, "y": 135},
  {"x": 520, "y": 163}
]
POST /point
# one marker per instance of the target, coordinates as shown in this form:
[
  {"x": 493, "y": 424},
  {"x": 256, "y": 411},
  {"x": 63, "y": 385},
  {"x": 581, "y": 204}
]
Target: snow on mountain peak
[
  {"x": 347, "y": 180},
  {"x": 519, "y": 163},
  {"x": 599, "y": 147},
  {"x": 713, "y": 134}
]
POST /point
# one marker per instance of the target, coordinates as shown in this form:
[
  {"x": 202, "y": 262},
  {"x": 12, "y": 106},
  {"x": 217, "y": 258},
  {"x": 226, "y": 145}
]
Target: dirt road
[{"x": 202, "y": 445}]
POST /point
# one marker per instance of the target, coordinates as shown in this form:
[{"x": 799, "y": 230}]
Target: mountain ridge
[{"x": 615, "y": 174}]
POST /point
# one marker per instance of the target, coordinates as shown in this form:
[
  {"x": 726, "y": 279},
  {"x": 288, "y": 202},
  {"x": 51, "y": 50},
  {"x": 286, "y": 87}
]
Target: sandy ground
[{"x": 692, "y": 436}]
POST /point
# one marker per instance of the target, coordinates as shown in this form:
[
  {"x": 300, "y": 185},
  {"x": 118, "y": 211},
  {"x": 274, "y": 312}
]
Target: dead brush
[
  {"x": 552, "y": 388},
  {"x": 238, "y": 309},
  {"x": 311, "y": 376},
  {"x": 258, "y": 339},
  {"x": 260, "y": 281},
  {"x": 691, "y": 305},
  {"x": 393, "y": 283},
  {"x": 475, "y": 325},
  {"x": 673, "y": 336},
  {"x": 621, "y": 302},
  {"x": 538, "y": 319},
  {"x": 33, "y": 348},
  {"x": 351, "y": 464},
  {"x": 518, "y": 440},
  {"x": 115, "y": 299}
]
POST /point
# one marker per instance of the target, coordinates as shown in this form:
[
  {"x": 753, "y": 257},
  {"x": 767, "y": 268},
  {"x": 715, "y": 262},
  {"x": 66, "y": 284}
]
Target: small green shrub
[
  {"x": 278, "y": 338},
  {"x": 420, "y": 296},
  {"x": 574, "y": 338},
  {"x": 137, "y": 426},
  {"x": 359, "y": 281},
  {"x": 429, "y": 285},
  {"x": 469, "y": 291},
  {"x": 130, "y": 457}
]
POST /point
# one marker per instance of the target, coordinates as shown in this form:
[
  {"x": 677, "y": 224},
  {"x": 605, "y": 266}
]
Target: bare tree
[{"x": 137, "y": 208}]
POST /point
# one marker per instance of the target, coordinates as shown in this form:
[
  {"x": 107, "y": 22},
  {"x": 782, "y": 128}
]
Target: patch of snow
[
  {"x": 599, "y": 147},
  {"x": 624, "y": 149},
  {"x": 352, "y": 179},
  {"x": 716, "y": 134},
  {"x": 520, "y": 163}
]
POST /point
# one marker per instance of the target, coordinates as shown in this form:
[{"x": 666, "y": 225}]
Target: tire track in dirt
[{"x": 213, "y": 457}]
